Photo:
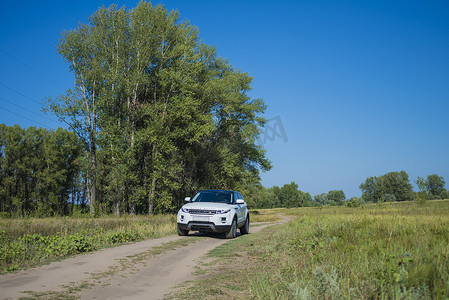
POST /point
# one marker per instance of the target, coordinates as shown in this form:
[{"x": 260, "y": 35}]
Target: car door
[
  {"x": 240, "y": 208},
  {"x": 244, "y": 208}
]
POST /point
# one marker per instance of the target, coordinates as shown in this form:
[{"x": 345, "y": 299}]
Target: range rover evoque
[{"x": 214, "y": 211}]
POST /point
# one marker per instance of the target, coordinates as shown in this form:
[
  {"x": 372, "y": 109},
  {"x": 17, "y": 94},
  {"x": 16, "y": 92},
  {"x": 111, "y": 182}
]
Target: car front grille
[{"x": 202, "y": 211}]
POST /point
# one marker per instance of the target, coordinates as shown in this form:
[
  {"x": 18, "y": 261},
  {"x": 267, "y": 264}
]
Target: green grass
[
  {"x": 265, "y": 215},
  {"x": 381, "y": 251},
  {"x": 30, "y": 241}
]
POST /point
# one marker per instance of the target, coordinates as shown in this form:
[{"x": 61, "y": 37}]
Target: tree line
[
  {"x": 40, "y": 171},
  {"x": 393, "y": 186},
  {"x": 289, "y": 195},
  {"x": 157, "y": 115}
]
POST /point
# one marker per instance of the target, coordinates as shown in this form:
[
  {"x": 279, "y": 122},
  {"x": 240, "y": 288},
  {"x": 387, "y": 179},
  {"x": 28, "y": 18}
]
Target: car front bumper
[
  {"x": 204, "y": 226},
  {"x": 207, "y": 223}
]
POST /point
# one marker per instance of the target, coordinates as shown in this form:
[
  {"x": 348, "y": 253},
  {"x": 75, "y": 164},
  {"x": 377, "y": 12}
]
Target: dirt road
[{"x": 143, "y": 270}]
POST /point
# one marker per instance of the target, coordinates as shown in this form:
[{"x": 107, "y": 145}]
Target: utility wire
[
  {"x": 46, "y": 126},
  {"x": 31, "y": 68},
  {"x": 17, "y": 92},
  {"x": 25, "y": 96},
  {"x": 43, "y": 116}
]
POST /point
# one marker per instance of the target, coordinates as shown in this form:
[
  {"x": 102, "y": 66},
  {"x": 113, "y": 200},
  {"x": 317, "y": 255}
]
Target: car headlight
[
  {"x": 186, "y": 210},
  {"x": 223, "y": 211}
]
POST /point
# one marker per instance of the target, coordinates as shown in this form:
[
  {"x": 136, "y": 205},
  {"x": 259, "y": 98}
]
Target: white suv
[{"x": 214, "y": 211}]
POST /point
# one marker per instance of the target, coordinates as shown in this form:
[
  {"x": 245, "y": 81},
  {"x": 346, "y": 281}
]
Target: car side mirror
[
  {"x": 187, "y": 199},
  {"x": 240, "y": 201}
]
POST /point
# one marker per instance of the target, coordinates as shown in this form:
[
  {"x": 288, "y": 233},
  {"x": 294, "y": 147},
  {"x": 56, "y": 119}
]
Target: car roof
[{"x": 227, "y": 191}]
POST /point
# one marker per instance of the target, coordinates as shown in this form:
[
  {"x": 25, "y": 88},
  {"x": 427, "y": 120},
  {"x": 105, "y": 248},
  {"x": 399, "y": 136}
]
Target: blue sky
[{"x": 361, "y": 87}]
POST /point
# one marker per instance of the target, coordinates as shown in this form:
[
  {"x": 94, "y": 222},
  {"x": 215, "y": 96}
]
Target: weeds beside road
[{"x": 27, "y": 242}]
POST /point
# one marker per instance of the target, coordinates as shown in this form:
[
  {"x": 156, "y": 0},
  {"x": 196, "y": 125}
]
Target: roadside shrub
[
  {"x": 353, "y": 202},
  {"x": 123, "y": 237},
  {"x": 11, "y": 252}
]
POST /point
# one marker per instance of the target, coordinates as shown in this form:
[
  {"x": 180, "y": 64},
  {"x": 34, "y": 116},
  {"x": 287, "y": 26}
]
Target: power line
[
  {"x": 46, "y": 126},
  {"x": 42, "y": 116},
  {"x": 25, "y": 96},
  {"x": 17, "y": 92},
  {"x": 31, "y": 68}
]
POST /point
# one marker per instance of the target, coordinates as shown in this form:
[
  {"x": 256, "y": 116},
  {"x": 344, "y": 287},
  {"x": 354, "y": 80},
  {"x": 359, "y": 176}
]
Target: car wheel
[
  {"x": 245, "y": 228},
  {"x": 232, "y": 233},
  {"x": 182, "y": 232}
]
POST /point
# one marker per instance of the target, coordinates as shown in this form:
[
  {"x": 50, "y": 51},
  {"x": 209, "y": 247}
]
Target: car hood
[{"x": 208, "y": 205}]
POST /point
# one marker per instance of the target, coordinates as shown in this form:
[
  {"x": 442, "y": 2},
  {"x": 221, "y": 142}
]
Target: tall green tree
[
  {"x": 435, "y": 185},
  {"x": 372, "y": 190},
  {"x": 320, "y": 199},
  {"x": 13, "y": 192},
  {"x": 39, "y": 170},
  {"x": 336, "y": 197},
  {"x": 393, "y": 185},
  {"x": 305, "y": 199},
  {"x": 159, "y": 113},
  {"x": 289, "y": 195},
  {"x": 421, "y": 195},
  {"x": 397, "y": 184}
]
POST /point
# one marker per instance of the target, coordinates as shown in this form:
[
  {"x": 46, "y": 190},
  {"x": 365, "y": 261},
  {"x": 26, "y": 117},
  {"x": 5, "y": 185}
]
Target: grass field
[{"x": 379, "y": 251}]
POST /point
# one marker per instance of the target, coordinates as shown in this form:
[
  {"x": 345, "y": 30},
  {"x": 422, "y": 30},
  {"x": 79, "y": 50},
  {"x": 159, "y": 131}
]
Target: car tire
[
  {"x": 232, "y": 232},
  {"x": 245, "y": 228},
  {"x": 182, "y": 232}
]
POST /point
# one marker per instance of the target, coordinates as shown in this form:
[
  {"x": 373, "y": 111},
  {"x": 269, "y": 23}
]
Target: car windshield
[{"x": 213, "y": 196}]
